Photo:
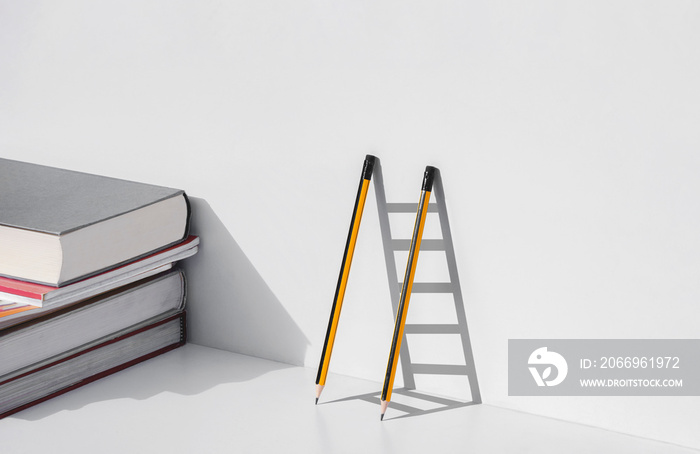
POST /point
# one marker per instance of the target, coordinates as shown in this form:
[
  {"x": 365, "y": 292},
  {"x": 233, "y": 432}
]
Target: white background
[{"x": 566, "y": 132}]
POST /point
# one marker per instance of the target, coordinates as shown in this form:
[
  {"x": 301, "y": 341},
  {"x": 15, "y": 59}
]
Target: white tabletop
[{"x": 202, "y": 400}]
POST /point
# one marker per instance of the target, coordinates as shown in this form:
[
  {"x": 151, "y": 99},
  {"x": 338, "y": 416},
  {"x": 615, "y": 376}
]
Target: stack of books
[{"x": 88, "y": 278}]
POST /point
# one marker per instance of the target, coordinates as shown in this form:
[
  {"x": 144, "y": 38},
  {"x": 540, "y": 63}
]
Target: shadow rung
[
  {"x": 426, "y": 397},
  {"x": 425, "y": 245},
  {"x": 416, "y": 328},
  {"x": 431, "y": 287},
  {"x": 408, "y": 207},
  {"x": 439, "y": 369}
]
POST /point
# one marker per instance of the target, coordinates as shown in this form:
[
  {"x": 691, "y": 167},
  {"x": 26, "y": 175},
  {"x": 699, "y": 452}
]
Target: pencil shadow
[
  {"x": 438, "y": 403},
  {"x": 444, "y": 245},
  {"x": 229, "y": 304}
]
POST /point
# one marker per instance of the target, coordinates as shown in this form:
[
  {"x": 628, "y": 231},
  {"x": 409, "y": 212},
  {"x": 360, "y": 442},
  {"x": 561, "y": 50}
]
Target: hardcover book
[
  {"x": 34, "y": 341},
  {"x": 23, "y": 292},
  {"x": 58, "y": 226},
  {"x": 91, "y": 362}
]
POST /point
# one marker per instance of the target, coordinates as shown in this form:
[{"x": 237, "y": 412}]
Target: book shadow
[
  {"x": 229, "y": 305},
  {"x": 186, "y": 371}
]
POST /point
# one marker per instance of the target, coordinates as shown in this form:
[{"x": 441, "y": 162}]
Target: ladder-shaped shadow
[
  {"x": 458, "y": 326},
  {"x": 404, "y": 400}
]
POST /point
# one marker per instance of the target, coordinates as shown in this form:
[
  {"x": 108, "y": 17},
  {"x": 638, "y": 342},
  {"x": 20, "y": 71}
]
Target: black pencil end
[
  {"x": 316, "y": 401},
  {"x": 428, "y": 178},
  {"x": 381, "y": 417},
  {"x": 368, "y": 167}
]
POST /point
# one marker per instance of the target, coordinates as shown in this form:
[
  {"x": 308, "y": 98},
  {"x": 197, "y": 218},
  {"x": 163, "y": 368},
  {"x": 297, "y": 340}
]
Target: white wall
[{"x": 566, "y": 133}]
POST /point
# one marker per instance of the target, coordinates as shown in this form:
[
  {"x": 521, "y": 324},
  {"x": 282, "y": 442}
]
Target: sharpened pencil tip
[
  {"x": 316, "y": 401},
  {"x": 381, "y": 417},
  {"x": 383, "y": 407}
]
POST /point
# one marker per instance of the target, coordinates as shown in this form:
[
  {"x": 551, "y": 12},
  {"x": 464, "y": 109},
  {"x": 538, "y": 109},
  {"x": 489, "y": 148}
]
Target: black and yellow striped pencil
[
  {"x": 367, "y": 168},
  {"x": 406, "y": 288}
]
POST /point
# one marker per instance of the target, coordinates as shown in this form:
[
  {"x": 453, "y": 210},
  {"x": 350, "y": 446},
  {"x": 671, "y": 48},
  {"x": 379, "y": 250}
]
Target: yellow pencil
[
  {"x": 406, "y": 289},
  {"x": 367, "y": 168}
]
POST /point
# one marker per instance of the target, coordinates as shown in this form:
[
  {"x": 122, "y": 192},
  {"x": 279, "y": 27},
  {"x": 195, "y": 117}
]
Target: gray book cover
[{"x": 56, "y": 201}]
